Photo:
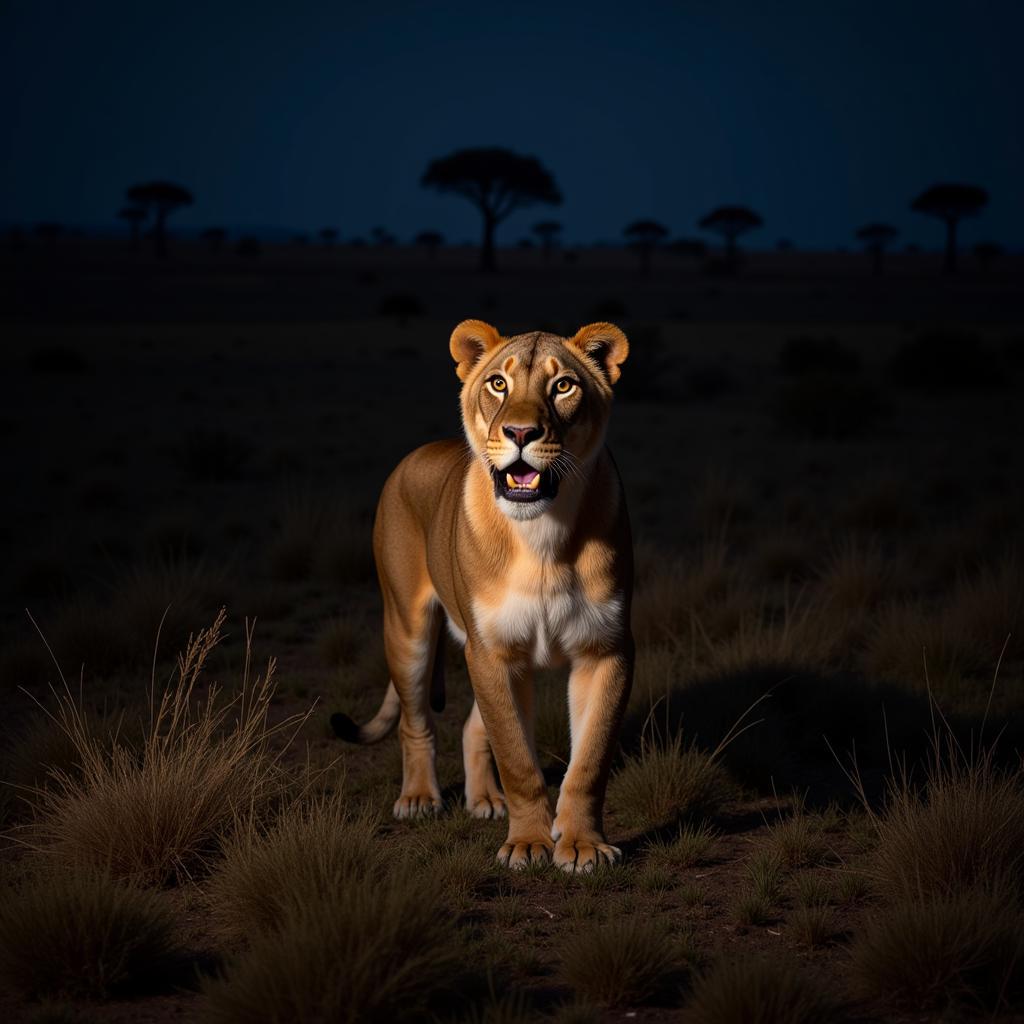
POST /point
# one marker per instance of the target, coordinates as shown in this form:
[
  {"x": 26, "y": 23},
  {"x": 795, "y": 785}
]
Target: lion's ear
[
  {"x": 604, "y": 345},
  {"x": 470, "y": 340}
]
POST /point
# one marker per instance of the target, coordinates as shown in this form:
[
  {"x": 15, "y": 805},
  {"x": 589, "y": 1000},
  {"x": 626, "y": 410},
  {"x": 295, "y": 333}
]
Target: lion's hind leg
[
  {"x": 410, "y": 644},
  {"x": 483, "y": 797}
]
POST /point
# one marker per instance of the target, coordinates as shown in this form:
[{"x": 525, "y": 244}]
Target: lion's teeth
[
  {"x": 534, "y": 483},
  {"x": 510, "y": 480}
]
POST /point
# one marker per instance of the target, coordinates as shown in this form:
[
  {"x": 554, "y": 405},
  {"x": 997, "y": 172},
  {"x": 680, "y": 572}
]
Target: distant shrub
[
  {"x": 401, "y": 305},
  {"x": 249, "y": 247},
  {"x": 945, "y": 361},
  {"x": 760, "y": 991},
  {"x": 57, "y": 360},
  {"x": 804, "y": 355},
  {"x": 706, "y": 381},
  {"x": 363, "y": 953},
  {"x": 826, "y": 405},
  {"x": 960, "y": 951},
  {"x": 624, "y": 962},
  {"x": 75, "y": 935},
  {"x": 212, "y": 456}
]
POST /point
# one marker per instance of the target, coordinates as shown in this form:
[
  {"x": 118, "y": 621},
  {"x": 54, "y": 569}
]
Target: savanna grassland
[{"x": 819, "y": 793}]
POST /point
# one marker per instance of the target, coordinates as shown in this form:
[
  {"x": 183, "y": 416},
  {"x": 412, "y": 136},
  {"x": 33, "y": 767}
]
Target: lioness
[{"x": 519, "y": 540}]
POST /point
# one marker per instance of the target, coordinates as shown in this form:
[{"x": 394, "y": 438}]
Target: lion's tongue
[{"x": 525, "y": 479}]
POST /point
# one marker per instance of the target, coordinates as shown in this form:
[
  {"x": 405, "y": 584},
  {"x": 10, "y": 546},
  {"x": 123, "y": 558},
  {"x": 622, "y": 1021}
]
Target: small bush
[
  {"x": 155, "y": 813},
  {"x": 824, "y": 405},
  {"x": 964, "y": 949},
  {"x": 386, "y": 952},
  {"x": 314, "y": 849},
  {"x": 665, "y": 781},
  {"x": 945, "y": 362},
  {"x": 212, "y": 456},
  {"x": 628, "y": 961},
  {"x": 805, "y": 355},
  {"x": 758, "y": 991},
  {"x": 76, "y": 935}
]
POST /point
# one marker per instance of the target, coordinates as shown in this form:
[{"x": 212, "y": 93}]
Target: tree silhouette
[
  {"x": 328, "y": 236},
  {"x": 431, "y": 241},
  {"x": 381, "y": 236},
  {"x": 645, "y": 236},
  {"x": 730, "y": 222},
  {"x": 214, "y": 238},
  {"x": 163, "y": 198},
  {"x": 133, "y": 216},
  {"x": 547, "y": 231},
  {"x": 875, "y": 238},
  {"x": 951, "y": 203},
  {"x": 497, "y": 182}
]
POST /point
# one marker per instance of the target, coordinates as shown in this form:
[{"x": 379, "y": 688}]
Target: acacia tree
[
  {"x": 547, "y": 231},
  {"x": 163, "y": 198},
  {"x": 645, "y": 236},
  {"x": 133, "y": 216},
  {"x": 730, "y": 222},
  {"x": 875, "y": 238},
  {"x": 497, "y": 182},
  {"x": 950, "y": 204}
]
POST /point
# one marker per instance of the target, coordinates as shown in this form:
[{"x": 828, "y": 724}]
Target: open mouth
[{"x": 521, "y": 482}]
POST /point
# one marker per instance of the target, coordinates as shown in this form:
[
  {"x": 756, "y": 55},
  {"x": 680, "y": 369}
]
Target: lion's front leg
[
  {"x": 598, "y": 691},
  {"x": 503, "y": 694}
]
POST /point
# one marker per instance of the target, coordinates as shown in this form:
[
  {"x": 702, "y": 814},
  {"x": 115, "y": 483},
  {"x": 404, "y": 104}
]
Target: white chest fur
[{"x": 550, "y": 620}]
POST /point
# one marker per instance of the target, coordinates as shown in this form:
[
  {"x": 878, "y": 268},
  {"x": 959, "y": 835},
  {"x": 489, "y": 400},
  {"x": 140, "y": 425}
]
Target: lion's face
[{"x": 535, "y": 407}]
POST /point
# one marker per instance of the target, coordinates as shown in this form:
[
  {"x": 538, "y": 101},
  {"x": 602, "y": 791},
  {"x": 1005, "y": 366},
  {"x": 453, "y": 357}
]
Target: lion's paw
[
  {"x": 519, "y": 855},
  {"x": 584, "y": 854},
  {"x": 488, "y": 805},
  {"x": 417, "y": 805}
]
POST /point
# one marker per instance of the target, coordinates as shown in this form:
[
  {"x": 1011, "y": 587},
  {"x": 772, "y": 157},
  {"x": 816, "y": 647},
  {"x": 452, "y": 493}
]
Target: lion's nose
[{"x": 522, "y": 435}]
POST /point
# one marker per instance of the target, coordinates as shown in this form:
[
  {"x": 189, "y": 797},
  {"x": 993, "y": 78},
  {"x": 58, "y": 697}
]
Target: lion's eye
[
  {"x": 497, "y": 383},
  {"x": 564, "y": 385}
]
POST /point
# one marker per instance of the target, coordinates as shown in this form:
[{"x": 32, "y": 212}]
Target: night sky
[{"x": 819, "y": 115}]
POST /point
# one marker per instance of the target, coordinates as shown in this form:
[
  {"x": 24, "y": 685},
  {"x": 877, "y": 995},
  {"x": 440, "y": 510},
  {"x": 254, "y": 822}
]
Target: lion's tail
[{"x": 377, "y": 728}]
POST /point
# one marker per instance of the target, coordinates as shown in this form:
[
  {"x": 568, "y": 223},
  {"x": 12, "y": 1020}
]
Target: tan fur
[{"x": 524, "y": 585}]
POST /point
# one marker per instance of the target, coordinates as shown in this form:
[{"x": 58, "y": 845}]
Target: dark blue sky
[{"x": 820, "y": 115}]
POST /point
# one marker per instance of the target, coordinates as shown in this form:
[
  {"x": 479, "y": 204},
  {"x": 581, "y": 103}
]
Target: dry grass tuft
[
  {"x": 962, "y": 828},
  {"x": 758, "y": 991},
  {"x": 666, "y": 781},
  {"x": 812, "y": 925},
  {"x": 966, "y": 949},
  {"x": 691, "y": 844},
  {"x": 628, "y": 961},
  {"x": 82, "y": 935},
  {"x": 313, "y": 849},
  {"x": 386, "y": 952},
  {"x": 155, "y": 813}
]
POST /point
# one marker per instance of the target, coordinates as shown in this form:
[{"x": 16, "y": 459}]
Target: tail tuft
[{"x": 344, "y": 728}]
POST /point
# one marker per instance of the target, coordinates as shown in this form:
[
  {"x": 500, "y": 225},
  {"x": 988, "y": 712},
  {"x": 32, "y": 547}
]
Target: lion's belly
[{"x": 549, "y": 627}]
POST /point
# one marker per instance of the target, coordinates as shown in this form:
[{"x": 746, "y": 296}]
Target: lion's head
[{"x": 535, "y": 406}]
